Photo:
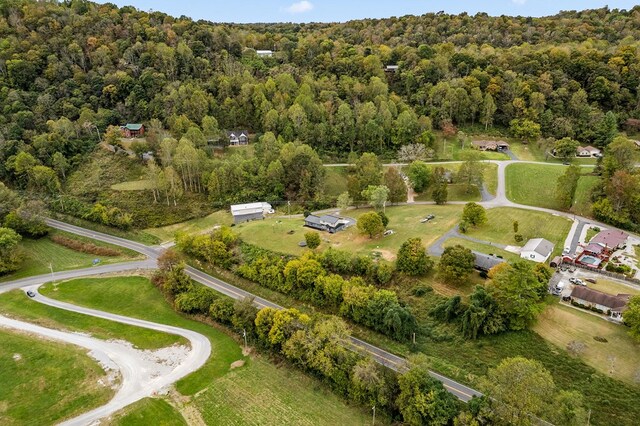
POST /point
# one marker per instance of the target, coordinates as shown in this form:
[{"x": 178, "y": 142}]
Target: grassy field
[
  {"x": 404, "y": 220},
  {"x": 16, "y": 304},
  {"x": 535, "y": 185},
  {"x": 455, "y": 192},
  {"x": 142, "y": 300},
  {"x": 166, "y": 233},
  {"x": 613, "y": 287},
  {"x": 532, "y": 224},
  {"x": 133, "y": 185},
  {"x": 148, "y": 411},
  {"x": 38, "y": 254},
  {"x": 617, "y": 358},
  {"x": 44, "y": 381},
  {"x": 482, "y": 248},
  {"x": 133, "y": 234},
  {"x": 452, "y": 150},
  {"x": 335, "y": 181}
]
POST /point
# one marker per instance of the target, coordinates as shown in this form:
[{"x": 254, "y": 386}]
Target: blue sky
[{"x": 244, "y": 11}]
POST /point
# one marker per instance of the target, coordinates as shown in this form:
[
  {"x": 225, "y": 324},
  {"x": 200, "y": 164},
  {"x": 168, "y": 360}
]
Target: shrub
[
  {"x": 518, "y": 237},
  {"x": 84, "y": 247},
  {"x": 600, "y": 339},
  {"x": 421, "y": 290}
]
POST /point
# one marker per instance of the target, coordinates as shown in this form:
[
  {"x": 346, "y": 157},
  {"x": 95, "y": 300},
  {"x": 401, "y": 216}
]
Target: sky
[{"x": 248, "y": 11}]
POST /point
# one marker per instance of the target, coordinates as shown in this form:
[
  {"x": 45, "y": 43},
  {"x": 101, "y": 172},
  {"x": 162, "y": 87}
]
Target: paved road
[{"x": 137, "y": 381}]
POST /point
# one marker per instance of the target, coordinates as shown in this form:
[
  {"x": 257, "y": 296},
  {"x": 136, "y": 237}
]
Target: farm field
[
  {"x": 535, "y": 185},
  {"x": 617, "y": 357},
  {"x": 45, "y": 381},
  {"x": 38, "y": 254},
  {"x": 532, "y": 224},
  {"x": 273, "y": 233},
  {"x": 142, "y": 300},
  {"x": 148, "y": 411}
]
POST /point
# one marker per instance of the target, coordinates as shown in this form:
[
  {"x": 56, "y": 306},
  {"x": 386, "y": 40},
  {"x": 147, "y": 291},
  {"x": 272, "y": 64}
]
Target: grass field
[
  {"x": 166, "y": 233},
  {"x": 454, "y": 193},
  {"x": 133, "y": 185},
  {"x": 16, "y": 304},
  {"x": 133, "y": 235},
  {"x": 617, "y": 358},
  {"x": 148, "y": 411},
  {"x": 532, "y": 224},
  {"x": 457, "y": 192},
  {"x": 535, "y": 185},
  {"x": 452, "y": 150},
  {"x": 404, "y": 220},
  {"x": 293, "y": 388},
  {"x": 335, "y": 182},
  {"x": 45, "y": 381},
  {"x": 38, "y": 254},
  {"x": 482, "y": 248},
  {"x": 613, "y": 287}
]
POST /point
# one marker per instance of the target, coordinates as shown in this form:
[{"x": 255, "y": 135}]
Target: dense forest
[{"x": 69, "y": 70}]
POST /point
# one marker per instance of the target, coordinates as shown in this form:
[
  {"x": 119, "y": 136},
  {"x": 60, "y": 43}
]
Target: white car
[{"x": 389, "y": 232}]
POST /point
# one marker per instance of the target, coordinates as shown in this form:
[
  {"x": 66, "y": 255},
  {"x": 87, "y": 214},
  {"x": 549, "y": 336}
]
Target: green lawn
[
  {"x": 491, "y": 177},
  {"x": 532, "y": 224},
  {"x": 45, "y": 381},
  {"x": 16, "y": 304},
  {"x": 452, "y": 150},
  {"x": 274, "y": 234},
  {"x": 455, "y": 192},
  {"x": 482, "y": 248},
  {"x": 167, "y": 233},
  {"x": 40, "y": 253},
  {"x": 458, "y": 192},
  {"x": 535, "y": 185},
  {"x": 310, "y": 402},
  {"x": 132, "y": 234},
  {"x": 590, "y": 234},
  {"x": 148, "y": 411}
]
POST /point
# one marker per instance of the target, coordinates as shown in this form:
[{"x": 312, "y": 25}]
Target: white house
[
  {"x": 250, "y": 211},
  {"x": 587, "y": 151},
  {"x": 537, "y": 249},
  {"x": 264, "y": 53}
]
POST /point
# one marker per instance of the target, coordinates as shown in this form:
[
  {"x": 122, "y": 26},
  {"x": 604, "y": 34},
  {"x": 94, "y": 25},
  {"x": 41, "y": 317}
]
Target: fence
[{"x": 603, "y": 272}]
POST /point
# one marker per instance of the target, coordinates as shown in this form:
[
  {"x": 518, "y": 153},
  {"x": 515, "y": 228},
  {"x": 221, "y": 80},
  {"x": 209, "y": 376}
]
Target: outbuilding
[
  {"x": 537, "y": 249},
  {"x": 251, "y": 211}
]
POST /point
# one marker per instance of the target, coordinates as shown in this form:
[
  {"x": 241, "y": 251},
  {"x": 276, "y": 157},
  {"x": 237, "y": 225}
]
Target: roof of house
[
  {"x": 263, "y": 51},
  {"x": 610, "y": 238},
  {"x": 588, "y": 148},
  {"x": 484, "y": 143},
  {"x": 596, "y": 248},
  {"x": 237, "y": 133},
  {"x": 133, "y": 126},
  {"x": 485, "y": 261},
  {"x": 600, "y": 298},
  {"x": 249, "y": 208},
  {"x": 324, "y": 219},
  {"x": 312, "y": 218},
  {"x": 539, "y": 245}
]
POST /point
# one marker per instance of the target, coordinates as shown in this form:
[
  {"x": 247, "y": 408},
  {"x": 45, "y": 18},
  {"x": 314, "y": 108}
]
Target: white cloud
[
  {"x": 519, "y": 1},
  {"x": 300, "y": 7}
]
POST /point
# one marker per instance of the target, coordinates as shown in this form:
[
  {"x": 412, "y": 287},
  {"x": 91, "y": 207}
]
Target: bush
[
  {"x": 421, "y": 290},
  {"x": 518, "y": 237},
  {"x": 84, "y": 247}
]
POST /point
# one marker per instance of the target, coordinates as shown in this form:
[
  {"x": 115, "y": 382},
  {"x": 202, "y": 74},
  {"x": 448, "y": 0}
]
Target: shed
[{"x": 250, "y": 211}]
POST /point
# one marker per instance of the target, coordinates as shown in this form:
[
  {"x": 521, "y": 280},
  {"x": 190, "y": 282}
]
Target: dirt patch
[
  {"x": 184, "y": 405},
  {"x": 387, "y": 254},
  {"x": 237, "y": 364},
  {"x": 17, "y": 357}
]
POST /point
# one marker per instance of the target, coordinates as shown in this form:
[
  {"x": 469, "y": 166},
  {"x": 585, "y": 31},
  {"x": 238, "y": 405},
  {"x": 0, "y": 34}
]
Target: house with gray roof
[
  {"x": 537, "y": 249},
  {"x": 607, "y": 303},
  {"x": 327, "y": 222},
  {"x": 238, "y": 137},
  {"x": 250, "y": 211},
  {"x": 484, "y": 262}
]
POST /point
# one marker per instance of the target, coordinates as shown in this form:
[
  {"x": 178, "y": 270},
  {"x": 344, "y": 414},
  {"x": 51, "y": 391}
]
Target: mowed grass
[
  {"x": 45, "y": 381},
  {"x": 311, "y": 402},
  {"x": 203, "y": 224},
  {"x": 455, "y": 192},
  {"x": 16, "y": 304},
  {"x": 273, "y": 233},
  {"x": 483, "y": 248},
  {"x": 148, "y": 411},
  {"x": 531, "y": 224},
  {"x": 617, "y": 358},
  {"x": 261, "y": 394},
  {"x": 535, "y": 185},
  {"x": 612, "y": 287},
  {"x": 40, "y": 253}
]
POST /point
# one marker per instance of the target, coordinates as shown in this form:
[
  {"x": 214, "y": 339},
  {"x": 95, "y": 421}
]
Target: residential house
[
  {"x": 610, "y": 239},
  {"x": 250, "y": 211},
  {"x": 537, "y": 249},
  {"x": 238, "y": 137},
  {"x": 607, "y": 303},
  {"x": 327, "y": 222},
  {"x": 484, "y": 262},
  {"x": 391, "y": 68},
  {"x": 490, "y": 145},
  {"x": 132, "y": 130},
  {"x": 588, "y": 151},
  {"x": 264, "y": 53}
]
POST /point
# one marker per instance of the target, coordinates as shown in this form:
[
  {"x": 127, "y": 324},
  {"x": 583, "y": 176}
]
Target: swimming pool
[{"x": 591, "y": 261}]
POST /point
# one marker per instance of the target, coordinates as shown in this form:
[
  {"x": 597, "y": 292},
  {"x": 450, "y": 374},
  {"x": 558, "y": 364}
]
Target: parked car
[
  {"x": 389, "y": 232},
  {"x": 591, "y": 280},
  {"x": 576, "y": 281},
  {"x": 566, "y": 298},
  {"x": 31, "y": 293},
  {"x": 566, "y": 250},
  {"x": 428, "y": 218}
]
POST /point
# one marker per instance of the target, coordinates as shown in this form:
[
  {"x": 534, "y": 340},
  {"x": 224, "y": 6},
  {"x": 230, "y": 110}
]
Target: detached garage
[{"x": 537, "y": 249}]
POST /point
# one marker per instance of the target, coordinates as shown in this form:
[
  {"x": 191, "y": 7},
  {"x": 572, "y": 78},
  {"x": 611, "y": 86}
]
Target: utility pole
[
  {"x": 374, "y": 415},
  {"x": 244, "y": 334},
  {"x": 288, "y": 208}
]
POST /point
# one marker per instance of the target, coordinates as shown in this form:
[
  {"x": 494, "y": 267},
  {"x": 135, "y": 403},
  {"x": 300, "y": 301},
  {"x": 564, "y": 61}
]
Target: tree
[
  {"x": 456, "y": 263},
  {"x": 60, "y": 164},
  {"x": 344, "y": 201},
  {"x": 44, "y": 179},
  {"x": 525, "y": 129},
  {"x": 471, "y": 174},
  {"x": 533, "y": 393},
  {"x": 566, "y": 148},
  {"x": 423, "y": 399},
  {"x": 412, "y": 258},
  {"x": 396, "y": 185},
  {"x": 384, "y": 218},
  {"x": 474, "y": 214},
  {"x": 632, "y": 317},
  {"x": 10, "y": 201},
  {"x": 440, "y": 193},
  {"x": 567, "y": 186},
  {"x": 377, "y": 196},
  {"x": 370, "y": 224},
  {"x": 488, "y": 110},
  {"x": 413, "y": 152},
  {"x": 419, "y": 175},
  {"x": 312, "y": 239},
  {"x": 9, "y": 255},
  {"x": 516, "y": 226},
  {"x": 366, "y": 172},
  {"x": 620, "y": 154}
]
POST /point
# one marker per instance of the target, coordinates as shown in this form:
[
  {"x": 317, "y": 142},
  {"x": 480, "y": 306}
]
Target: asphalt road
[{"x": 136, "y": 380}]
